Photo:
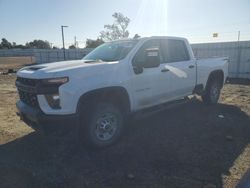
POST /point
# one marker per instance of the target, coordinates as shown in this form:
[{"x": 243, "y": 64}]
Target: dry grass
[
  {"x": 10, "y": 125},
  {"x": 15, "y": 62}
]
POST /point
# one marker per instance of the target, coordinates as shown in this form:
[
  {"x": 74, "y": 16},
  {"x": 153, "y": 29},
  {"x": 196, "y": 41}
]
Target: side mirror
[{"x": 152, "y": 58}]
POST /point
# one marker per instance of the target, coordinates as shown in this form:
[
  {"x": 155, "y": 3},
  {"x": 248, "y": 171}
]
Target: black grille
[
  {"x": 26, "y": 81},
  {"x": 28, "y": 98},
  {"x": 25, "y": 87}
]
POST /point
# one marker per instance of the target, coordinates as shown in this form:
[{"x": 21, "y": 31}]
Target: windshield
[{"x": 111, "y": 51}]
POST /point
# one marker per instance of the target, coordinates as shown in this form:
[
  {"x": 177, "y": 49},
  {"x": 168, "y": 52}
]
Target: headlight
[
  {"x": 51, "y": 88},
  {"x": 56, "y": 81}
]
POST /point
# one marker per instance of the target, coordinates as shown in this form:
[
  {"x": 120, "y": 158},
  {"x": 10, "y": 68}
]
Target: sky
[{"x": 197, "y": 20}]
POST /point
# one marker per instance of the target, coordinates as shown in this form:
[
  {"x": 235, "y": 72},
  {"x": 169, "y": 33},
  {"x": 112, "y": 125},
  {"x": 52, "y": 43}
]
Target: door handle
[
  {"x": 165, "y": 70},
  {"x": 191, "y": 66}
]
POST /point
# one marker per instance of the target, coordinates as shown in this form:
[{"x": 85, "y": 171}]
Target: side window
[
  {"x": 141, "y": 53},
  {"x": 174, "y": 51}
]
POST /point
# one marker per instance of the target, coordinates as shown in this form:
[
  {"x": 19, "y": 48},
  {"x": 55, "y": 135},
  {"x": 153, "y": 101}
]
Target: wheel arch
[
  {"x": 114, "y": 94},
  {"x": 216, "y": 74}
]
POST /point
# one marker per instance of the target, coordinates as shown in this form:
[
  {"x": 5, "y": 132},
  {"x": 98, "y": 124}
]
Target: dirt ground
[
  {"x": 192, "y": 145},
  {"x": 15, "y": 62}
]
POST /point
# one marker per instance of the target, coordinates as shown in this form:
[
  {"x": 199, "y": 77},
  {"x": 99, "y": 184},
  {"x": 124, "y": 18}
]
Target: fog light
[
  {"x": 56, "y": 97},
  {"x": 53, "y": 100}
]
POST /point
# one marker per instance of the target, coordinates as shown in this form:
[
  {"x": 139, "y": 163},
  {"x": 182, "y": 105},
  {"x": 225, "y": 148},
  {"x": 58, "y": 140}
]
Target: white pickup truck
[{"x": 97, "y": 94}]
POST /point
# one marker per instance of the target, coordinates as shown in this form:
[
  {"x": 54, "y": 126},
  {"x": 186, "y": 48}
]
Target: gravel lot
[{"x": 192, "y": 145}]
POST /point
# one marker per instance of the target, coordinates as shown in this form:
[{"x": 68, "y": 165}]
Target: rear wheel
[
  {"x": 103, "y": 127},
  {"x": 212, "y": 93}
]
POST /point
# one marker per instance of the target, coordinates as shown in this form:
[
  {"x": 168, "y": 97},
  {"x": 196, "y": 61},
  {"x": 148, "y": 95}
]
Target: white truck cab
[{"x": 96, "y": 94}]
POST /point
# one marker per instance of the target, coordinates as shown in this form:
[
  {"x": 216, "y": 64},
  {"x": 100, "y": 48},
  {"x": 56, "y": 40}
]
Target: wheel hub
[
  {"x": 106, "y": 126},
  {"x": 214, "y": 92}
]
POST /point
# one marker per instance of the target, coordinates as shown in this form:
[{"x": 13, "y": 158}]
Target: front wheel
[
  {"x": 212, "y": 93},
  {"x": 103, "y": 127}
]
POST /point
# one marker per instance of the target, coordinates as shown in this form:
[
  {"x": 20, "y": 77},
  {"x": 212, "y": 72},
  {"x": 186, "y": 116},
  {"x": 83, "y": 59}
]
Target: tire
[
  {"x": 103, "y": 127},
  {"x": 212, "y": 93}
]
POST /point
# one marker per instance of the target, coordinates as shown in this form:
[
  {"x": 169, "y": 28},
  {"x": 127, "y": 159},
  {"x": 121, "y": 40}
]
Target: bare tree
[
  {"x": 118, "y": 30},
  {"x": 93, "y": 43},
  {"x": 137, "y": 36}
]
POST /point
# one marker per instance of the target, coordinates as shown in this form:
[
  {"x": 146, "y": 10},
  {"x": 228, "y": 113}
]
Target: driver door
[{"x": 150, "y": 84}]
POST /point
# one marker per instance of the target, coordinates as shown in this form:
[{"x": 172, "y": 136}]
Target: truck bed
[{"x": 208, "y": 65}]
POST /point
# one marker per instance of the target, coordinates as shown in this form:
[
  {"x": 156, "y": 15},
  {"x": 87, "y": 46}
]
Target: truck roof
[{"x": 152, "y": 37}]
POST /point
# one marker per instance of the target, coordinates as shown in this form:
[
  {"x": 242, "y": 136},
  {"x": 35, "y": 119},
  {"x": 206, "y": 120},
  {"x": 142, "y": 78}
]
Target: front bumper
[{"x": 39, "y": 121}]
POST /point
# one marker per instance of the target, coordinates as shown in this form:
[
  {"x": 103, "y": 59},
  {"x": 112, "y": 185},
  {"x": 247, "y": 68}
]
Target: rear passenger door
[{"x": 181, "y": 68}]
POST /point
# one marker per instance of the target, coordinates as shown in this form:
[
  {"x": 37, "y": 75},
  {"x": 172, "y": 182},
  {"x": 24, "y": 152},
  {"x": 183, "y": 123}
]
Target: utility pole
[
  {"x": 238, "y": 58},
  {"x": 238, "y": 36},
  {"x": 75, "y": 42},
  {"x": 62, "y": 26}
]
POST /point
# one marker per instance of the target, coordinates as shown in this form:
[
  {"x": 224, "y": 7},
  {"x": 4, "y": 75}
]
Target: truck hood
[{"x": 62, "y": 68}]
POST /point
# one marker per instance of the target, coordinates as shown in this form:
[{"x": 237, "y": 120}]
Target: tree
[
  {"x": 72, "y": 46},
  {"x": 118, "y": 30},
  {"x": 40, "y": 44},
  {"x": 93, "y": 43},
  {"x": 5, "y": 44},
  {"x": 136, "y": 36},
  {"x": 20, "y": 46}
]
